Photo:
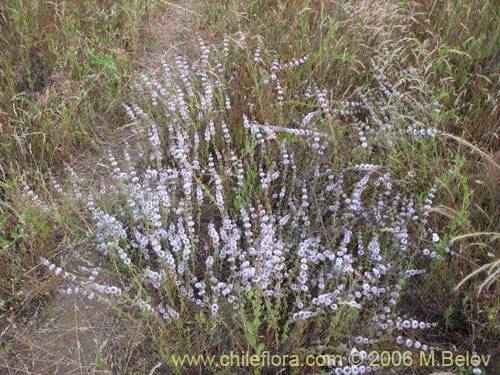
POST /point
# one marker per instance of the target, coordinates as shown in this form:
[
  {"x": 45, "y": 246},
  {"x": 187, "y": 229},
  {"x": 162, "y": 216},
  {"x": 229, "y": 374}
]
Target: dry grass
[
  {"x": 455, "y": 47},
  {"x": 64, "y": 70},
  {"x": 51, "y": 109}
]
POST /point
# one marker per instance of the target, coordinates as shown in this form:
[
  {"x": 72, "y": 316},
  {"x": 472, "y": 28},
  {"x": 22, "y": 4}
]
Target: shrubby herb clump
[{"x": 237, "y": 232}]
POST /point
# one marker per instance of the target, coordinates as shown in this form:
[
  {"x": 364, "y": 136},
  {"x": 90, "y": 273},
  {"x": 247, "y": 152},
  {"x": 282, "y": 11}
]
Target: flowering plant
[{"x": 230, "y": 219}]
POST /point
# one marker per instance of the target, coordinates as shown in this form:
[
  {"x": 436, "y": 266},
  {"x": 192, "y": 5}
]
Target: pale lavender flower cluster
[
  {"x": 83, "y": 286},
  {"x": 393, "y": 106}
]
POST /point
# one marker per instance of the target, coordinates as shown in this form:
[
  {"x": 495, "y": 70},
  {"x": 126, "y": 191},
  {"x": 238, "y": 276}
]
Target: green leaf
[
  {"x": 261, "y": 348},
  {"x": 353, "y": 312},
  {"x": 250, "y": 327},
  {"x": 239, "y": 202},
  {"x": 252, "y": 341}
]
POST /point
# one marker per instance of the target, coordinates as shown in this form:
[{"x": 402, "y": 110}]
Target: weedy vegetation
[
  {"x": 64, "y": 68},
  {"x": 319, "y": 177}
]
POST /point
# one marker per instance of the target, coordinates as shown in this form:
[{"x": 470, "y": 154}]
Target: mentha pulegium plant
[{"x": 223, "y": 210}]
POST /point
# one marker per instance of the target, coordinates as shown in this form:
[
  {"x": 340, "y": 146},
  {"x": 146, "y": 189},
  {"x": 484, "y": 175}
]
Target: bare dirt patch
[{"x": 75, "y": 336}]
